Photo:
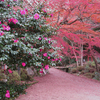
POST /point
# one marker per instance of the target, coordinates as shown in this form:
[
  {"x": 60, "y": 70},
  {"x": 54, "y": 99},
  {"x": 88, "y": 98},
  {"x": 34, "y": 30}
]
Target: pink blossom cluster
[
  {"x": 23, "y": 12},
  {"x": 2, "y": 33},
  {"x": 7, "y": 28},
  {"x": 13, "y": 20},
  {"x": 7, "y": 95},
  {"x": 56, "y": 59}
]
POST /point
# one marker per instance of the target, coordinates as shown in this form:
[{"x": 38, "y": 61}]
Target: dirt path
[{"x": 59, "y": 85}]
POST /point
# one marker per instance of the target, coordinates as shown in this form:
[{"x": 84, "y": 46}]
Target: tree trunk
[
  {"x": 75, "y": 55},
  {"x": 82, "y": 54},
  {"x": 96, "y": 63}
]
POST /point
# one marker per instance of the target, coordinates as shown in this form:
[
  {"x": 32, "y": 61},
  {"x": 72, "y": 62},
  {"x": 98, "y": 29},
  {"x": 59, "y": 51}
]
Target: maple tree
[{"x": 77, "y": 20}]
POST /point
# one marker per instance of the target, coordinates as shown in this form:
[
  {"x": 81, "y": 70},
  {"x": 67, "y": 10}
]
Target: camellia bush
[{"x": 25, "y": 37}]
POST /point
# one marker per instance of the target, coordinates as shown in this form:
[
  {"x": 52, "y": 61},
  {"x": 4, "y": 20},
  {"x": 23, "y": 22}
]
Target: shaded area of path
[{"x": 59, "y": 85}]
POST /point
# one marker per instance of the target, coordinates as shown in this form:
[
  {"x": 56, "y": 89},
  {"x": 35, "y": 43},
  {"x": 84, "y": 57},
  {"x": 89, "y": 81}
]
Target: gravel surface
[{"x": 59, "y": 85}]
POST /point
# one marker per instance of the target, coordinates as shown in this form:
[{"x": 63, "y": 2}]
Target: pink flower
[
  {"x": 52, "y": 60},
  {"x": 23, "y": 12},
  {"x": 7, "y": 28},
  {"x": 15, "y": 41},
  {"x": 7, "y": 91},
  {"x": 23, "y": 64},
  {"x": 36, "y": 16},
  {"x": 8, "y": 5},
  {"x": 60, "y": 59},
  {"x": 46, "y": 66},
  {"x": 26, "y": 10},
  {"x": 7, "y": 95},
  {"x": 0, "y": 22},
  {"x": 41, "y": 70},
  {"x": 56, "y": 59},
  {"x": 4, "y": 27},
  {"x": 45, "y": 38},
  {"x": 45, "y": 54},
  {"x": 51, "y": 15},
  {"x": 1, "y": 34},
  {"x": 31, "y": 46},
  {"x": 10, "y": 71},
  {"x": 10, "y": 20},
  {"x": 39, "y": 38},
  {"x": 48, "y": 57},
  {"x": 40, "y": 50},
  {"x": 15, "y": 21},
  {"x": 44, "y": 11},
  {"x": 49, "y": 41}
]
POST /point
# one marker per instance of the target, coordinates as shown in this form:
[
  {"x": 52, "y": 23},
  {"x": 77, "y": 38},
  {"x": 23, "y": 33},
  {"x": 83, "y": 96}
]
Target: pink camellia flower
[
  {"x": 52, "y": 60},
  {"x": 2, "y": 33},
  {"x": 45, "y": 38},
  {"x": 44, "y": 11},
  {"x": 56, "y": 59},
  {"x": 10, "y": 71},
  {"x": 45, "y": 54},
  {"x": 10, "y": 20},
  {"x": 8, "y": 5},
  {"x": 7, "y": 28},
  {"x": 4, "y": 27},
  {"x": 7, "y": 91},
  {"x": 49, "y": 41},
  {"x": 7, "y": 95},
  {"x": 15, "y": 41},
  {"x": 51, "y": 15},
  {"x": 49, "y": 57},
  {"x": 23, "y": 12},
  {"x": 15, "y": 21},
  {"x": 39, "y": 38},
  {"x": 41, "y": 70},
  {"x": 60, "y": 59},
  {"x": 26, "y": 10},
  {"x": 46, "y": 67},
  {"x": 23, "y": 64},
  {"x": 36, "y": 16},
  {"x": 0, "y": 22},
  {"x": 31, "y": 46},
  {"x": 40, "y": 50}
]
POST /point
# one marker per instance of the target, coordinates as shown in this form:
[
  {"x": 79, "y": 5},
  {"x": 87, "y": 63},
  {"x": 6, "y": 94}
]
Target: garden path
[{"x": 59, "y": 85}]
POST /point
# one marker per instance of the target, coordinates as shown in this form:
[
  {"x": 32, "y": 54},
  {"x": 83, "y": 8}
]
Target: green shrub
[
  {"x": 97, "y": 76},
  {"x": 74, "y": 70},
  {"x": 86, "y": 69},
  {"x": 91, "y": 63},
  {"x": 23, "y": 74},
  {"x": 82, "y": 72},
  {"x": 14, "y": 90},
  {"x": 2, "y": 76},
  {"x": 80, "y": 68},
  {"x": 89, "y": 75},
  {"x": 13, "y": 77},
  {"x": 91, "y": 70}
]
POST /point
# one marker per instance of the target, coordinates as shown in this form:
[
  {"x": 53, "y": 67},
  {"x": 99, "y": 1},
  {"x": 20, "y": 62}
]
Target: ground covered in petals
[{"x": 59, "y": 85}]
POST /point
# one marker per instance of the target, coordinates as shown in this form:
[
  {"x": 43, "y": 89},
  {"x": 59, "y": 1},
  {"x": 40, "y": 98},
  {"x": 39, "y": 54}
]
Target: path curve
[{"x": 59, "y": 85}]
